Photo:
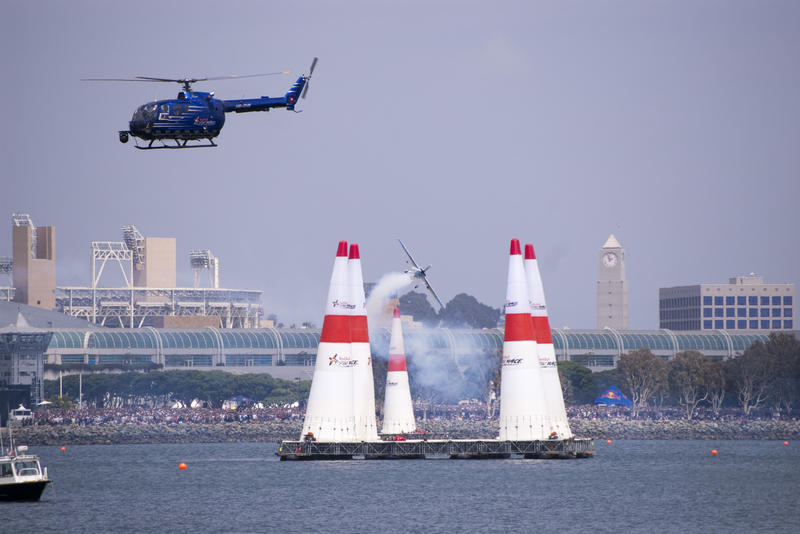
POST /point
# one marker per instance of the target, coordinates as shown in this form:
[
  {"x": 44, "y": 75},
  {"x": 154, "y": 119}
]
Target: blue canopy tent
[{"x": 613, "y": 397}]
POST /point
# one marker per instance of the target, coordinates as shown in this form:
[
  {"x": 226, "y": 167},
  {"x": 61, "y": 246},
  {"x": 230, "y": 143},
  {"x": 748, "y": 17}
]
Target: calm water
[{"x": 630, "y": 486}]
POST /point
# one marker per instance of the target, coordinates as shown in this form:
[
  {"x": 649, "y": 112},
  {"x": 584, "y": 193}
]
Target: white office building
[{"x": 744, "y": 303}]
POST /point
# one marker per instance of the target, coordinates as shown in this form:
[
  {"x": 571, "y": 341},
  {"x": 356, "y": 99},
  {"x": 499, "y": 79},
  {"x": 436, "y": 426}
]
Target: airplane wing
[
  {"x": 433, "y": 292},
  {"x": 408, "y": 254}
]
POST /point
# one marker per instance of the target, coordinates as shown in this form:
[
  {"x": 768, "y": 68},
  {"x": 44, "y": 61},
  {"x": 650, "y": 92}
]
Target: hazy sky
[{"x": 456, "y": 126}]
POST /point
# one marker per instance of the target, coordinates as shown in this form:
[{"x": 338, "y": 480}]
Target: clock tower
[{"x": 612, "y": 288}]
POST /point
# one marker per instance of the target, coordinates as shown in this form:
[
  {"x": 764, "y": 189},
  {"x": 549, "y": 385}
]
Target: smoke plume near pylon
[{"x": 386, "y": 288}]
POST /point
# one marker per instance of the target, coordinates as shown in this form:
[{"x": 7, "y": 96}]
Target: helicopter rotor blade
[
  {"x": 184, "y": 81},
  {"x": 137, "y": 79},
  {"x": 234, "y": 76}
]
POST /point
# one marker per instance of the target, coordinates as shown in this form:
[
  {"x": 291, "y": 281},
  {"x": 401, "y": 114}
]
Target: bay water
[{"x": 629, "y": 486}]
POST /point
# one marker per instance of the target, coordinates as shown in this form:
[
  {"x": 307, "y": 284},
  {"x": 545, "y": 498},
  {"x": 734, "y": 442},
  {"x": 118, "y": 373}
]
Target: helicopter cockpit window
[{"x": 146, "y": 112}]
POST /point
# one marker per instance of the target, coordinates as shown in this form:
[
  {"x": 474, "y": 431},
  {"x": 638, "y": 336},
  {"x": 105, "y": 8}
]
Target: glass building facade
[{"x": 285, "y": 352}]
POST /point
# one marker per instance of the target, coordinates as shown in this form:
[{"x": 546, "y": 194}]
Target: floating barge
[{"x": 435, "y": 448}]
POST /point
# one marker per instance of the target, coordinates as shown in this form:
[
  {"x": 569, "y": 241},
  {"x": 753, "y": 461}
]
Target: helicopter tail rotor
[{"x": 308, "y": 78}]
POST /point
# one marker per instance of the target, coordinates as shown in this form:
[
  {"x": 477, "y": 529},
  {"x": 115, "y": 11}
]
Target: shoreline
[{"x": 276, "y": 431}]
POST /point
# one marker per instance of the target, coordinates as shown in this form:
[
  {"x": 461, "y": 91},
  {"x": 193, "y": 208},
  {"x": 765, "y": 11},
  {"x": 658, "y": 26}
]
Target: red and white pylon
[
  {"x": 556, "y": 423},
  {"x": 522, "y": 408},
  {"x": 363, "y": 385},
  {"x": 329, "y": 413},
  {"x": 398, "y": 410}
]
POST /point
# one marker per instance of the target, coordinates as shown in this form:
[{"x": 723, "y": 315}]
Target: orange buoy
[
  {"x": 182, "y": 466},
  {"x": 63, "y": 449},
  {"x": 714, "y": 452},
  {"x": 786, "y": 443},
  {"x": 608, "y": 441}
]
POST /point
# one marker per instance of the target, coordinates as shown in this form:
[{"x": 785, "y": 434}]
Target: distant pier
[{"x": 422, "y": 449}]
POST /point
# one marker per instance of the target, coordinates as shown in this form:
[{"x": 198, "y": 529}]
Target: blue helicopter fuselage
[{"x": 197, "y": 115}]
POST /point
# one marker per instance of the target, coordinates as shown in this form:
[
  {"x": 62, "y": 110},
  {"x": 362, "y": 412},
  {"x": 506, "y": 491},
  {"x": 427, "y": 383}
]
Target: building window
[
  {"x": 741, "y": 312},
  {"x": 776, "y": 324},
  {"x": 776, "y": 312},
  {"x": 753, "y": 312},
  {"x": 752, "y": 301},
  {"x": 765, "y": 325},
  {"x": 707, "y": 301},
  {"x": 718, "y": 323},
  {"x": 776, "y": 301},
  {"x": 729, "y": 301},
  {"x": 718, "y": 312},
  {"x": 718, "y": 301},
  {"x": 787, "y": 312},
  {"x": 730, "y": 312},
  {"x": 754, "y": 325},
  {"x": 729, "y": 324},
  {"x": 741, "y": 325},
  {"x": 765, "y": 301},
  {"x": 787, "y": 324},
  {"x": 707, "y": 325},
  {"x": 787, "y": 300},
  {"x": 764, "y": 312},
  {"x": 707, "y": 312}
]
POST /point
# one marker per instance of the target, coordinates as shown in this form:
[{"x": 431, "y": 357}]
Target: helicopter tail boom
[{"x": 265, "y": 103}]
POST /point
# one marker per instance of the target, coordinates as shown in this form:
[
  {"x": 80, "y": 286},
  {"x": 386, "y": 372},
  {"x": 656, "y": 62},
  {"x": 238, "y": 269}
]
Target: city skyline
[{"x": 672, "y": 126}]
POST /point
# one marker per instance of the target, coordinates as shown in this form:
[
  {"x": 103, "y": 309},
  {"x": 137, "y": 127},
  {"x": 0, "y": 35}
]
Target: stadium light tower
[
  {"x": 134, "y": 240},
  {"x": 204, "y": 259}
]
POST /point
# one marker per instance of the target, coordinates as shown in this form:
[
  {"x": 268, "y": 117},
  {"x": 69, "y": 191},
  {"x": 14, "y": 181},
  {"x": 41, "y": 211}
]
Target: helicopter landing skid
[{"x": 178, "y": 144}]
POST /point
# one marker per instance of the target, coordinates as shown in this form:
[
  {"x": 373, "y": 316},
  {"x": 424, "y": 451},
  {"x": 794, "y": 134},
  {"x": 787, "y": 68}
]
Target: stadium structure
[{"x": 148, "y": 296}]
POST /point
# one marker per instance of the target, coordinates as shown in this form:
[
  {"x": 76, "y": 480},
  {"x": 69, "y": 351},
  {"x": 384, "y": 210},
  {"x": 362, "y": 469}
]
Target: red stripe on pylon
[
  {"x": 342, "y": 250},
  {"x": 541, "y": 326},
  {"x": 359, "y": 332},
  {"x": 518, "y": 327},
  {"x": 515, "y": 250},
  {"x": 335, "y": 329},
  {"x": 397, "y": 362}
]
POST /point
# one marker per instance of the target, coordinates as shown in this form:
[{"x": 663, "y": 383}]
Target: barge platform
[{"x": 436, "y": 448}]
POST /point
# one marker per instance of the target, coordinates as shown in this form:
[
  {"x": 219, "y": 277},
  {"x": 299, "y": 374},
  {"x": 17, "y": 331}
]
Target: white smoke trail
[{"x": 386, "y": 288}]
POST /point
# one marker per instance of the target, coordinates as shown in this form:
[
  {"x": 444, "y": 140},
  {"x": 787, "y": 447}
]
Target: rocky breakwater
[
  {"x": 684, "y": 429},
  {"x": 276, "y": 431},
  {"x": 160, "y": 433}
]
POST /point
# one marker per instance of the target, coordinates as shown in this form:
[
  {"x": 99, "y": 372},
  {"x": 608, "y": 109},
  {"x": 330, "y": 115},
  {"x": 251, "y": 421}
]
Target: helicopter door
[{"x": 163, "y": 114}]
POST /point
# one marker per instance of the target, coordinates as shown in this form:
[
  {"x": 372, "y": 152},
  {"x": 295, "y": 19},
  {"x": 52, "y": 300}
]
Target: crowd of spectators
[{"x": 252, "y": 414}]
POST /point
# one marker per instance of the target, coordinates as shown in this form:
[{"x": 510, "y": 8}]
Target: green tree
[
  {"x": 688, "y": 379},
  {"x": 784, "y": 352},
  {"x": 752, "y": 373},
  {"x": 465, "y": 311},
  {"x": 643, "y": 374},
  {"x": 577, "y": 383},
  {"x": 417, "y": 305},
  {"x": 717, "y": 385}
]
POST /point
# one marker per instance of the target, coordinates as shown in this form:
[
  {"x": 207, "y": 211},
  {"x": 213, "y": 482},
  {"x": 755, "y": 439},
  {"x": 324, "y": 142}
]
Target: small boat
[{"x": 21, "y": 476}]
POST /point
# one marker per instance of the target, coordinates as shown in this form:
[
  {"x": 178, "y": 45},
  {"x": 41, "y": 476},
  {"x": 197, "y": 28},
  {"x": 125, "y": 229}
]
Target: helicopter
[
  {"x": 196, "y": 115},
  {"x": 420, "y": 274}
]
